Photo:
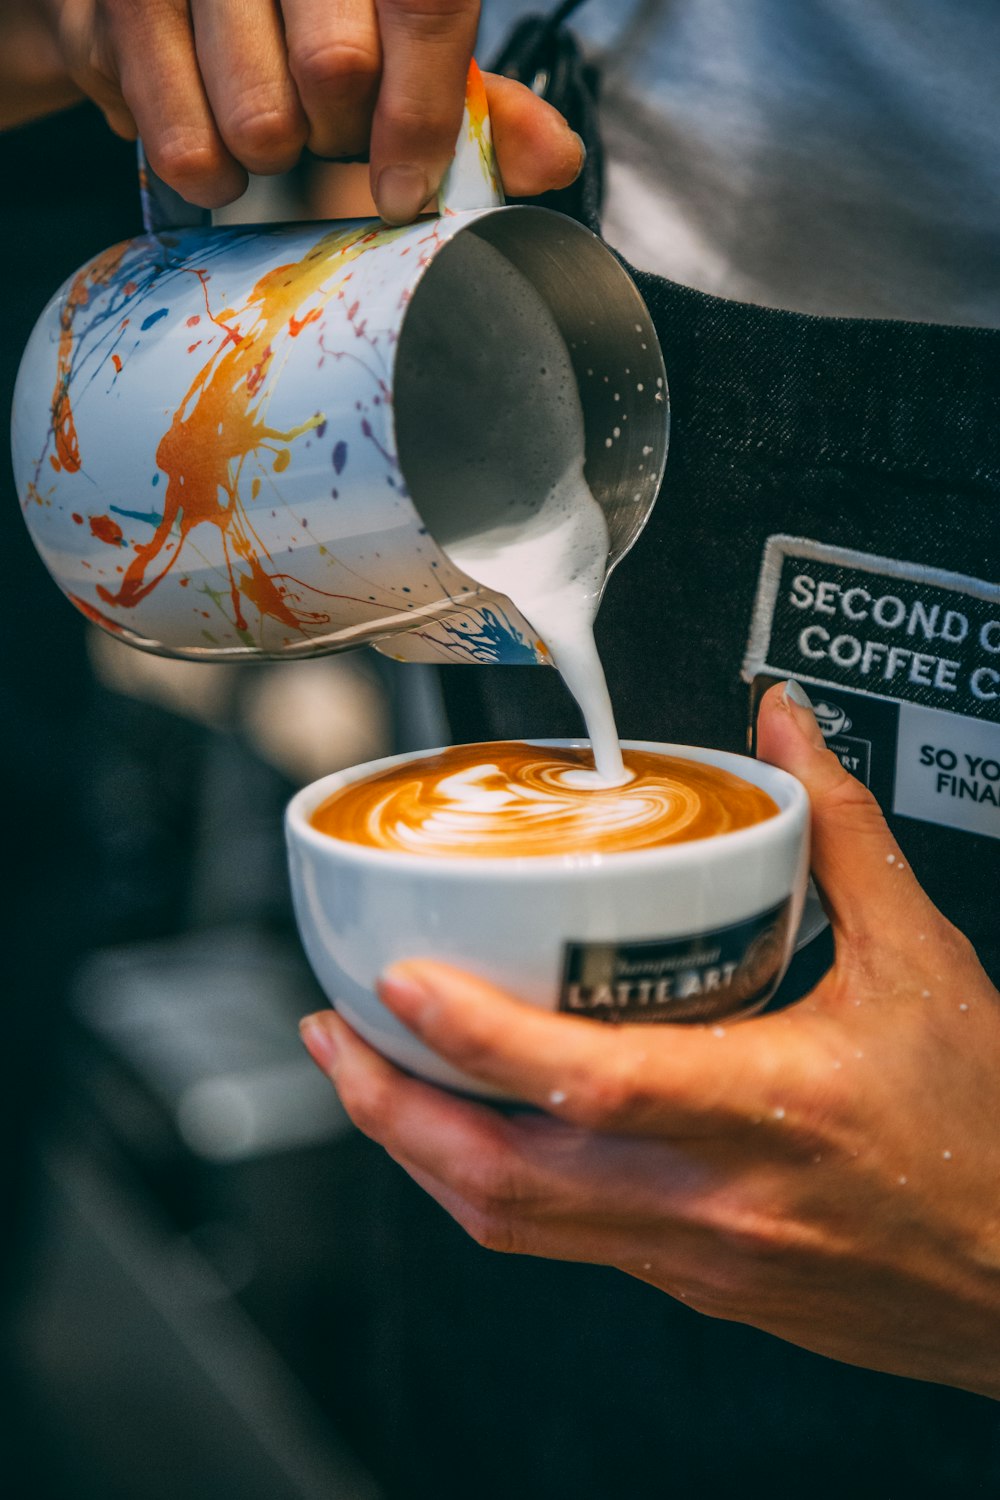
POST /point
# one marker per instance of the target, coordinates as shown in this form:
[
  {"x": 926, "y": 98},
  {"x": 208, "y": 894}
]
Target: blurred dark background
[{"x": 186, "y": 1286}]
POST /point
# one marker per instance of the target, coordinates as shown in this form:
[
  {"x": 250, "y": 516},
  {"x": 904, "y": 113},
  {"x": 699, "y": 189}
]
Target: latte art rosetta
[{"x": 509, "y": 800}]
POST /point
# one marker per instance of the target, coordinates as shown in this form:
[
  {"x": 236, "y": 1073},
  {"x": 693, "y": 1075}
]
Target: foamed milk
[{"x": 492, "y": 387}]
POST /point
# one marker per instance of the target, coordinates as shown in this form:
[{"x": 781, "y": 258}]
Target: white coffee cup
[{"x": 694, "y": 931}]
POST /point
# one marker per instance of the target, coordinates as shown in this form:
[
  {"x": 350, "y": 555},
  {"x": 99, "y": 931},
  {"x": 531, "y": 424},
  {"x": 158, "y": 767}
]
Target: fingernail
[
  {"x": 583, "y": 151},
  {"x": 797, "y": 694},
  {"x": 401, "y": 193},
  {"x": 319, "y": 1043},
  {"x": 798, "y": 700}
]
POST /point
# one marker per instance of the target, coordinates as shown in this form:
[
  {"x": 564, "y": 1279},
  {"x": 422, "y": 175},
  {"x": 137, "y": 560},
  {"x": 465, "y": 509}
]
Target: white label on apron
[{"x": 902, "y": 662}]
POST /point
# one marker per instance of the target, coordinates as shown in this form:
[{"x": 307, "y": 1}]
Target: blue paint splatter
[
  {"x": 156, "y": 479},
  {"x": 161, "y": 312},
  {"x": 150, "y": 517},
  {"x": 339, "y": 457},
  {"x": 489, "y": 637}
]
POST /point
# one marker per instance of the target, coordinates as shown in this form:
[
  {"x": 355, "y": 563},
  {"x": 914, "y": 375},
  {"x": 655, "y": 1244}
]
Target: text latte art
[{"x": 511, "y": 800}]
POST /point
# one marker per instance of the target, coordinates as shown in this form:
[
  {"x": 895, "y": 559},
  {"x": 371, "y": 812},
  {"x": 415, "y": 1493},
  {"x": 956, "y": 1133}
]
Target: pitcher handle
[{"x": 472, "y": 180}]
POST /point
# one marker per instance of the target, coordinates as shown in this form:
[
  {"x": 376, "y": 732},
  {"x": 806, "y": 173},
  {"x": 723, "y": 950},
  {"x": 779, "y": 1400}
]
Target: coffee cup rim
[{"x": 788, "y": 792}]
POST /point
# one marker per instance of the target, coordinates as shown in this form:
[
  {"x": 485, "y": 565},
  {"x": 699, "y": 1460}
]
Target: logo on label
[
  {"x": 831, "y": 718},
  {"x": 701, "y": 977},
  {"x": 913, "y": 657}
]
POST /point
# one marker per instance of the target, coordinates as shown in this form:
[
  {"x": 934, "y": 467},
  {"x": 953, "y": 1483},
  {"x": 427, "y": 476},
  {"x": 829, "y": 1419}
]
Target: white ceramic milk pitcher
[{"x": 225, "y": 447}]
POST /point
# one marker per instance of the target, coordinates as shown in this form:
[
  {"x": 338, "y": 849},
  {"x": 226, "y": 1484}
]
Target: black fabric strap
[{"x": 543, "y": 54}]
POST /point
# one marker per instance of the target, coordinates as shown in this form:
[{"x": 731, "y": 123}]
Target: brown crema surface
[{"x": 508, "y": 800}]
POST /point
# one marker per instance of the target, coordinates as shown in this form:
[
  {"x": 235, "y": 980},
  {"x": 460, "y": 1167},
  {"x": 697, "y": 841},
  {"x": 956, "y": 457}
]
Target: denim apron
[{"x": 829, "y": 512}]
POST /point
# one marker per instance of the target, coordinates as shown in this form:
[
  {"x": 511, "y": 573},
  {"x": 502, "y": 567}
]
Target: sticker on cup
[{"x": 705, "y": 976}]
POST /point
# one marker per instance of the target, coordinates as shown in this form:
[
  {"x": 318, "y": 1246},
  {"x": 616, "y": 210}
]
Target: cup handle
[{"x": 472, "y": 181}]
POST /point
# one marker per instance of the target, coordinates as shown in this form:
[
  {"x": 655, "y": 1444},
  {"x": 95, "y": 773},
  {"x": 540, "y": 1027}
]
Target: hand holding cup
[{"x": 821, "y": 1173}]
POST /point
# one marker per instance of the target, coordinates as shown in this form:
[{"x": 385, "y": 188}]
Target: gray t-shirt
[{"x": 830, "y": 156}]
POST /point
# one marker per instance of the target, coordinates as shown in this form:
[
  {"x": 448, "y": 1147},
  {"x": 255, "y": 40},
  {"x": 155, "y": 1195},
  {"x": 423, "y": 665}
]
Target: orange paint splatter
[
  {"x": 220, "y": 423},
  {"x": 282, "y": 460},
  {"x": 55, "y": 463},
  {"x": 117, "y": 362},
  {"x": 97, "y": 273},
  {"x": 477, "y": 111},
  {"x": 296, "y": 325},
  {"x": 94, "y": 614},
  {"x": 475, "y": 98},
  {"x": 106, "y": 530}
]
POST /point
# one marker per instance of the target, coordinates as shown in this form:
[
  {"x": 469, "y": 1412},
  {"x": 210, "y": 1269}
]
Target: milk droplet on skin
[
  {"x": 963, "y": 1006},
  {"x": 890, "y": 859},
  {"x": 557, "y": 1096},
  {"x": 779, "y": 1113},
  {"x": 946, "y": 1155}
]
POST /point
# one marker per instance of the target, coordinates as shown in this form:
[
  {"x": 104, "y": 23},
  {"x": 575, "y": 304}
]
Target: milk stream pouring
[
  {"x": 212, "y": 446},
  {"x": 514, "y": 511}
]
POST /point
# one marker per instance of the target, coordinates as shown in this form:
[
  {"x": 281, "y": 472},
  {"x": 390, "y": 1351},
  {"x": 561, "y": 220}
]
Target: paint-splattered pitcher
[{"x": 204, "y": 439}]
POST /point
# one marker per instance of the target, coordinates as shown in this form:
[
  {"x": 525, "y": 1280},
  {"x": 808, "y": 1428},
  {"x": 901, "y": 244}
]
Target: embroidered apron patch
[{"x": 902, "y": 663}]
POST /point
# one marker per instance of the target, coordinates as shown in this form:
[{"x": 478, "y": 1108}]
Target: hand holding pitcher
[
  {"x": 210, "y": 425},
  {"x": 215, "y": 95}
]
